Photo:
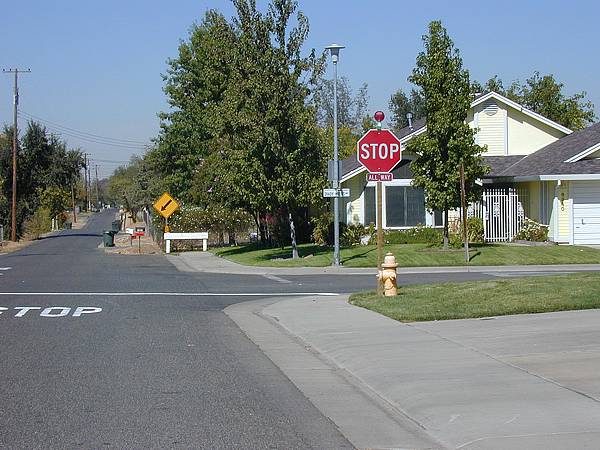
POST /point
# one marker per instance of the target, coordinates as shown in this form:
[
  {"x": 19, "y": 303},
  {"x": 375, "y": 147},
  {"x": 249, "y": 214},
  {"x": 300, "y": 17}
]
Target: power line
[{"x": 85, "y": 133}]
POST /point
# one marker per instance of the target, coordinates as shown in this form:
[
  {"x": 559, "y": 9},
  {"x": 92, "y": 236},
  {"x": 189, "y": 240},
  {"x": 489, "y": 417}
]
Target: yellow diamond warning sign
[{"x": 166, "y": 205}]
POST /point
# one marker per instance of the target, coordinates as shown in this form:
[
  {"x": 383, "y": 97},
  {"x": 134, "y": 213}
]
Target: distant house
[{"x": 539, "y": 169}]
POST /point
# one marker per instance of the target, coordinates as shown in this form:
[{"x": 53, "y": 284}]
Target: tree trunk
[
  {"x": 293, "y": 237},
  {"x": 446, "y": 229}
]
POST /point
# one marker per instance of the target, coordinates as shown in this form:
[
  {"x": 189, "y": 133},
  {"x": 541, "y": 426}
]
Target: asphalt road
[
  {"x": 145, "y": 371},
  {"x": 104, "y": 350}
]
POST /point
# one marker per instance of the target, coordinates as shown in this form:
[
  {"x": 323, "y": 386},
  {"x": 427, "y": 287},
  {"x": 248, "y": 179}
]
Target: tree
[
  {"x": 130, "y": 186},
  {"x": 43, "y": 162},
  {"x": 274, "y": 161},
  {"x": 449, "y": 141},
  {"x": 545, "y": 96},
  {"x": 400, "y": 105},
  {"x": 194, "y": 84},
  {"x": 352, "y": 108}
]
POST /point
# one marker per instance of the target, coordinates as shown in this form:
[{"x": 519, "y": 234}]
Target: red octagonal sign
[{"x": 379, "y": 151}]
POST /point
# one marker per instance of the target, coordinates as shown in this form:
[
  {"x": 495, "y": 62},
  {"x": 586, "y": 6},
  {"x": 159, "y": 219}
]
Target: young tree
[
  {"x": 449, "y": 141},
  {"x": 400, "y": 105}
]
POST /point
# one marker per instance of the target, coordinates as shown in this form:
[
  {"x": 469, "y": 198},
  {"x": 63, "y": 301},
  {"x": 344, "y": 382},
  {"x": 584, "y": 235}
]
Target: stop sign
[{"x": 379, "y": 151}]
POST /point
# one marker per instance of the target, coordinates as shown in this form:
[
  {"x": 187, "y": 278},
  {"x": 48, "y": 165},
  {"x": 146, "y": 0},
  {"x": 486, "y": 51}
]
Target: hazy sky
[{"x": 96, "y": 66}]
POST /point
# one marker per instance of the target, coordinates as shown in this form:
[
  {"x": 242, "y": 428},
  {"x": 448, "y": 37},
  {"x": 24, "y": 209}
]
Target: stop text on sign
[
  {"x": 379, "y": 151},
  {"x": 51, "y": 311}
]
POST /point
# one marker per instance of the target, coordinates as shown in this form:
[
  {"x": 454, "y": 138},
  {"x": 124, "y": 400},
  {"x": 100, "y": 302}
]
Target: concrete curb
[
  {"x": 364, "y": 416},
  {"x": 209, "y": 263}
]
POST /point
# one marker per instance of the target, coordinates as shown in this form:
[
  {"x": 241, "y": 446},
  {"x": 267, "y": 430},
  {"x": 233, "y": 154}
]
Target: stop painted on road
[{"x": 51, "y": 311}]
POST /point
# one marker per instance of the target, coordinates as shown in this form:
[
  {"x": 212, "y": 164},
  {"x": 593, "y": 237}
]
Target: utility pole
[
  {"x": 85, "y": 163},
  {"x": 89, "y": 187},
  {"x": 97, "y": 195},
  {"x": 13, "y": 229}
]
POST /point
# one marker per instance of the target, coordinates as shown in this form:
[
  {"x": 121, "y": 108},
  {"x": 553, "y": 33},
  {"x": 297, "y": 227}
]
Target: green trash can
[
  {"x": 116, "y": 225},
  {"x": 109, "y": 238}
]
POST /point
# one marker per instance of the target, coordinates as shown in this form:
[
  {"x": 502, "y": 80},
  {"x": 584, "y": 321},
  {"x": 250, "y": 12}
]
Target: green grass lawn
[
  {"x": 411, "y": 255},
  {"x": 486, "y": 298}
]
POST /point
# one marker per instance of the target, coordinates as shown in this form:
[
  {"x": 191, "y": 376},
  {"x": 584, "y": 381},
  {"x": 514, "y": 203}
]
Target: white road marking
[
  {"x": 276, "y": 278},
  {"x": 60, "y": 311},
  {"x": 53, "y": 311},
  {"x": 24, "y": 309},
  {"x": 5, "y": 268},
  {"x": 170, "y": 294}
]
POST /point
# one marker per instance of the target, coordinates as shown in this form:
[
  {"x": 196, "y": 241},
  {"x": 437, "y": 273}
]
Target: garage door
[{"x": 586, "y": 212}]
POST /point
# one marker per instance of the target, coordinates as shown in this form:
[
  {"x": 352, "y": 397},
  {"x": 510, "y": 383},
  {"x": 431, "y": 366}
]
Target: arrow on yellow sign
[{"x": 166, "y": 205}]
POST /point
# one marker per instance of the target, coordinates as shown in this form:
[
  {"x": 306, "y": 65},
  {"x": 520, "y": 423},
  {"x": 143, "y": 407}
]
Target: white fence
[{"x": 502, "y": 211}]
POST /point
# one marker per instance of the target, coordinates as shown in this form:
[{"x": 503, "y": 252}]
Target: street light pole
[{"x": 335, "y": 51}]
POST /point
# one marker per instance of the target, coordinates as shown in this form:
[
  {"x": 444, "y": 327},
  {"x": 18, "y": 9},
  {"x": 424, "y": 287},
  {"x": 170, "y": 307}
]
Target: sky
[{"x": 96, "y": 66}]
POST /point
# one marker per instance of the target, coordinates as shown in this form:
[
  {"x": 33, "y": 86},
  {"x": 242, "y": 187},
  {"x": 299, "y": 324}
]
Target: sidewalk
[
  {"x": 511, "y": 382},
  {"x": 209, "y": 263}
]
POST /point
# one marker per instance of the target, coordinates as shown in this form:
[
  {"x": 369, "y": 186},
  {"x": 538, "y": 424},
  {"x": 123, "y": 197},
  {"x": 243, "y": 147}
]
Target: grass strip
[
  {"x": 411, "y": 255},
  {"x": 464, "y": 300}
]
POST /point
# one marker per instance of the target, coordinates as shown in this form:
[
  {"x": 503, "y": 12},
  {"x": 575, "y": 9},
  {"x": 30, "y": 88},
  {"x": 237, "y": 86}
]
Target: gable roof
[
  {"x": 351, "y": 167},
  {"x": 482, "y": 98},
  {"x": 559, "y": 157}
]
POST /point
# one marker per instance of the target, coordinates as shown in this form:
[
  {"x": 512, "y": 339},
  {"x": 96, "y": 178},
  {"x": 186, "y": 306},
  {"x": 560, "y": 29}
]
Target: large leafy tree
[
  {"x": 402, "y": 104},
  {"x": 449, "y": 141},
  {"x": 545, "y": 95},
  {"x": 272, "y": 159},
  {"x": 195, "y": 84}
]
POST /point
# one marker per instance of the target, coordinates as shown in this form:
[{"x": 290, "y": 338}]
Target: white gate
[{"x": 502, "y": 212}]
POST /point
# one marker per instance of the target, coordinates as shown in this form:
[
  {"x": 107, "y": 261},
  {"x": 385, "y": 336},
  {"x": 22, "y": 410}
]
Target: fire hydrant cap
[{"x": 389, "y": 261}]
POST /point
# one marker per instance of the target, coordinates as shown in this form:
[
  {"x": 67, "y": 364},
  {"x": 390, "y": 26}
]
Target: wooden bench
[{"x": 203, "y": 235}]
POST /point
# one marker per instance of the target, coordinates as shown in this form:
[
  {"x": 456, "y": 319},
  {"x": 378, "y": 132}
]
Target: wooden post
[
  {"x": 463, "y": 201},
  {"x": 379, "y": 236},
  {"x": 73, "y": 202}
]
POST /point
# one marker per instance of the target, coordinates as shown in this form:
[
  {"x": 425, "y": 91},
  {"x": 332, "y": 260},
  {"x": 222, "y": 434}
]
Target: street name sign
[
  {"x": 166, "y": 205},
  {"x": 379, "y": 151},
  {"x": 332, "y": 192}
]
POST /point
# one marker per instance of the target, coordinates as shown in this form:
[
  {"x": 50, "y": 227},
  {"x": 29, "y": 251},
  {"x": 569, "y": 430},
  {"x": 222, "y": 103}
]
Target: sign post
[
  {"x": 379, "y": 151},
  {"x": 166, "y": 206}
]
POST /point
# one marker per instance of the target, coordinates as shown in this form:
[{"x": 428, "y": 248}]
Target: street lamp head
[{"x": 334, "y": 49}]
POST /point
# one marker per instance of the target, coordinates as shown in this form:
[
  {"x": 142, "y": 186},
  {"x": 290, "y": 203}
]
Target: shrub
[
  {"x": 39, "y": 223},
  {"x": 532, "y": 231},
  {"x": 323, "y": 229},
  {"x": 418, "y": 235},
  {"x": 354, "y": 233},
  {"x": 474, "y": 232}
]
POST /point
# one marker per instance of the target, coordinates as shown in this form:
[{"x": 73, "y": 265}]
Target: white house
[{"x": 539, "y": 169}]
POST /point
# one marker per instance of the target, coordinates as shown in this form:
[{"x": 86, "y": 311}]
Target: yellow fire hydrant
[{"x": 387, "y": 276}]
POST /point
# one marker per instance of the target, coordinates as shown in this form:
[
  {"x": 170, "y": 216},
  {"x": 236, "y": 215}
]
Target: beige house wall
[
  {"x": 354, "y": 211},
  {"x": 527, "y": 135}
]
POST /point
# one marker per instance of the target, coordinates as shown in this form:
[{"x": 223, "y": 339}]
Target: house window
[
  {"x": 405, "y": 206},
  {"x": 370, "y": 206}
]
